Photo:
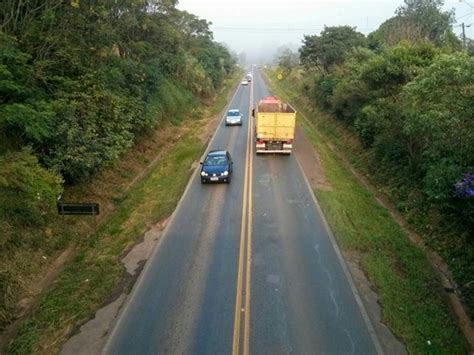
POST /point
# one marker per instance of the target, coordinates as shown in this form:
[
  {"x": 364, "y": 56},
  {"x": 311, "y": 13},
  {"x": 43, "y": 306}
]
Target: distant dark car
[{"x": 217, "y": 167}]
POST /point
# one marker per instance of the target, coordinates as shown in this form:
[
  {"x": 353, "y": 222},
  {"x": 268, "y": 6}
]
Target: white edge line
[
  {"x": 355, "y": 291},
  {"x": 116, "y": 325}
]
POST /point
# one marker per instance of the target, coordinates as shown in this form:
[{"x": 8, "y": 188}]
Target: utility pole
[
  {"x": 463, "y": 26},
  {"x": 463, "y": 36}
]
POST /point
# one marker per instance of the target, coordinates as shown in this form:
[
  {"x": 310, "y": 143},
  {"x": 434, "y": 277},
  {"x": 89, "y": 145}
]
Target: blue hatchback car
[{"x": 217, "y": 167}]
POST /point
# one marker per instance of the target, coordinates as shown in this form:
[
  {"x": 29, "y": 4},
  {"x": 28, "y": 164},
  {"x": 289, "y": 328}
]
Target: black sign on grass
[{"x": 78, "y": 209}]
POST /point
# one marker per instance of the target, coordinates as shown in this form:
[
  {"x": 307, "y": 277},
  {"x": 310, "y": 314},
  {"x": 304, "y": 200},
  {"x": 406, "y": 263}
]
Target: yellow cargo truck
[{"x": 274, "y": 126}]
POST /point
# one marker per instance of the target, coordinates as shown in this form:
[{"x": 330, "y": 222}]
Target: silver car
[{"x": 233, "y": 117}]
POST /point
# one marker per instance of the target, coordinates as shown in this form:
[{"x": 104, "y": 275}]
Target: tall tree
[
  {"x": 416, "y": 21},
  {"x": 287, "y": 60},
  {"x": 330, "y": 47}
]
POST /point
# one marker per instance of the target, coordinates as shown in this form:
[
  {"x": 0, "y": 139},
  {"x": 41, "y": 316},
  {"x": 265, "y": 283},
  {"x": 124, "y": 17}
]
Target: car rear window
[{"x": 233, "y": 113}]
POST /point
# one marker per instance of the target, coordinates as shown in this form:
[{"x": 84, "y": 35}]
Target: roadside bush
[
  {"x": 347, "y": 100},
  {"x": 323, "y": 91},
  {"x": 388, "y": 71},
  {"x": 350, "y": 93},
  {"x": 27, "y": 191},
  {"x": 439, "y": 106},
  {"x": 375, "y": 125}
]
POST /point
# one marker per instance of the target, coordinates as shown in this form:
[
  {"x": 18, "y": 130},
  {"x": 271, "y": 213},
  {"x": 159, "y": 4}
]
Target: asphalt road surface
[{"x": 246, "y": 267}]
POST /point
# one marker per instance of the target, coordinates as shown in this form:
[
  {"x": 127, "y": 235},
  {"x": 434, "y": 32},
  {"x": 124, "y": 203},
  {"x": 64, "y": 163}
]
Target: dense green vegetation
[
  {"x": 80, "y": 82},
  {"x": 408, "y": 96}
]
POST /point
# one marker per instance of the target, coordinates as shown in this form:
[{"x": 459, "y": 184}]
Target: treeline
[
  {"x": 80, "y": 80},
  {"x": 407, "y": 92}
]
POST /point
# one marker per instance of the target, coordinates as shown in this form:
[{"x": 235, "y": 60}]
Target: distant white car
[
  {"x": 245, "y": 82},
  {"x": 233, "y": 117}
]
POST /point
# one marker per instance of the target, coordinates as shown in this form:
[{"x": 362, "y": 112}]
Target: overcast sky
[{"x": 258, "y": 26}]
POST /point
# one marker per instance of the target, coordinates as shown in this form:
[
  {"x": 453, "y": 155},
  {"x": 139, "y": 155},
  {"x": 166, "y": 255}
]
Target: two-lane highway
[{"x": 246, "y": 267}]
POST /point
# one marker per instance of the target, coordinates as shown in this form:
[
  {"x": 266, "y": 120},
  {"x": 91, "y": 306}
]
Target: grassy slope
[
  {"x": 96, "y": 272},
  {"x": 409, "y": 291}
]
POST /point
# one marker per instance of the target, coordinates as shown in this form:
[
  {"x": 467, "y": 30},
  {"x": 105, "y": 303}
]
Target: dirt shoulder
[{"x": 310, "y": 161}]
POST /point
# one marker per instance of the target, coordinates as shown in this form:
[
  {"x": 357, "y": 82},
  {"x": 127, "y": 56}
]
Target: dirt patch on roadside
[
  {"x": 90, "y": 337},
  {"x": 310, "y": 161},
  {"x": 36, "y": 290},
  {"x": 44, "y": 282},
  {"x": 210, "y": 128},
  {"x": 142, "y": 251}
]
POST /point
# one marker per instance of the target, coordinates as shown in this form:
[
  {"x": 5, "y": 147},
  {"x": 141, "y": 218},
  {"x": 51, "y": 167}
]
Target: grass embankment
[
  {"x": 409, "y": 290},
  {"x": 89, "y": 281}
]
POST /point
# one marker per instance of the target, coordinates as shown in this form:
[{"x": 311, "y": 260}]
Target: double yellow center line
[{"x": 240, "y": 342}]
